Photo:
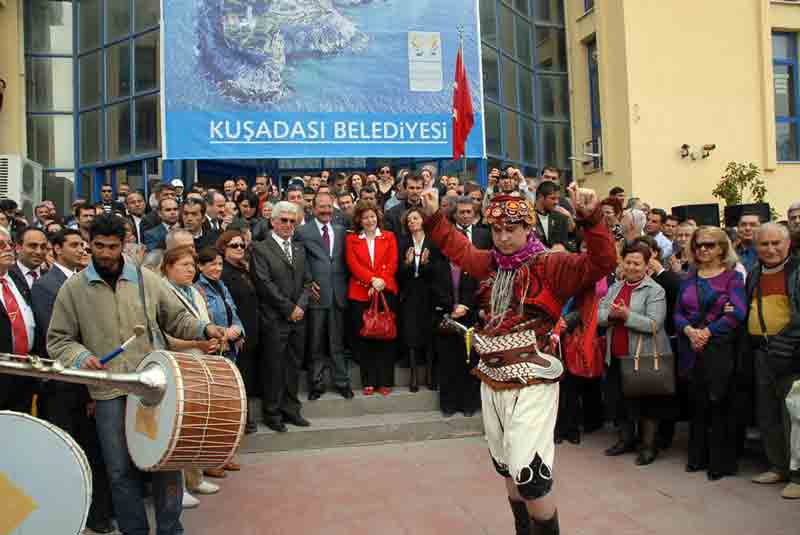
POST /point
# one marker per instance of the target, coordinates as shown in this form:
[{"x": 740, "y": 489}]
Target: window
[
  {"x": 787, "y": 95},
  {"x": 588, "y": 4},
  {"x": 594, "y": 98}
]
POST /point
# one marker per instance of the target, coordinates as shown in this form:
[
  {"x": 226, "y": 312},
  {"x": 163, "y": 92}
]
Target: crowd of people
[{"x": 280, "y": 281}]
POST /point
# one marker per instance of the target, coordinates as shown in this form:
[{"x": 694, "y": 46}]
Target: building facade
[
  {"x": 82, "y": 94},
  {"x": 649, "y": 77}
]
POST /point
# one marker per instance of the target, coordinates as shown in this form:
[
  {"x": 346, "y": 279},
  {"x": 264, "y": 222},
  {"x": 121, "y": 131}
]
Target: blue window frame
[
  {"x": 525, "y": 77},
  {"x": 786, "y": 91},
  {"x": 594, "y": 97},
  {"x": 588, "y": 4}
]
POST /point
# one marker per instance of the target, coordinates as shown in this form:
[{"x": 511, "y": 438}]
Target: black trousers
[
  {"x": 64, "y": 406},
  {"x": 375, "y": 357},
  {"x": 16, "y": 393},
  {"x": 580, "y": 401},
  {"x": 459, "y": 390},
  {"x": 712, "y": 428},
  {"x": 326, "y": 328},
  {"x": 283, "y": 349}
]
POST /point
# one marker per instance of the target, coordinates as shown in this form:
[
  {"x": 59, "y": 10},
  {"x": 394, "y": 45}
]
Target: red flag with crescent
[{"x": 463, "y": 116}]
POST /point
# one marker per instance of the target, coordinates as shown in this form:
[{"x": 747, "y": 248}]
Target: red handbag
[{"x": 378, "y": 324}]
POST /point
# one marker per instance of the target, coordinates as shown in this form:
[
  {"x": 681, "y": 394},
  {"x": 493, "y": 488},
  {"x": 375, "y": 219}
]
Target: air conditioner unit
[{"x": 21, "y": 181}]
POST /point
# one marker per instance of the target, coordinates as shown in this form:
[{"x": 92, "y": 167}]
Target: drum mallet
[{"x": 138, "y": 331}]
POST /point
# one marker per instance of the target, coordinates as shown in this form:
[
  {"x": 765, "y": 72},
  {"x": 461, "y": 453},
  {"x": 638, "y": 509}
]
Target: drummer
[{"x": 95, "y": 311}]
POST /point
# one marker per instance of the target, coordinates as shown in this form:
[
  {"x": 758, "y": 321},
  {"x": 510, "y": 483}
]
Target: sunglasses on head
[{"x": 237, "y": 245}]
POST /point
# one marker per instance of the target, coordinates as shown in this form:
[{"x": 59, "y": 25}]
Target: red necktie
[
  {"x": 19, "y": 333},
  {"x": 326, "y": 238}
]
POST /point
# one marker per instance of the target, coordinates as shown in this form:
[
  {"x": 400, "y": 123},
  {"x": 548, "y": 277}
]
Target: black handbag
[{"x": 645, "y": 375}]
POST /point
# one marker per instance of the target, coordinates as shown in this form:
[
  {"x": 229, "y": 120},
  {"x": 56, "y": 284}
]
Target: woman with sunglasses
[
  {"x": 711, "y": 306},
  {"x": 237, "y": 278}
]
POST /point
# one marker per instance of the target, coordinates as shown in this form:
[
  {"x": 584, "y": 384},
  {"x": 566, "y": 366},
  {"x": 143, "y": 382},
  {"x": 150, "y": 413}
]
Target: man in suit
[
  {"x": 135, "y": 204},
  {"x": 31, "y": 254},
  {"x": 168, "y": 215},
  {"x": 17, "y": 328},
  {"x": 282, "y": 283},
  {"x": 552, "y": 226},
  {"x": 108, "y": 203},
  {"x": 193, "y": 219},
  {"x": 454, "y": 294},
  {"x": 324, "y": 247},
  {"x": 215, "y": 211},
  {"x": 63, "y": 404},
  {"x": 153, "y": 219}
]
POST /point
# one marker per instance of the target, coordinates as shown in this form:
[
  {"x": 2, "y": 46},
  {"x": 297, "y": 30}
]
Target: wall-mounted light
[
  {"x": 2, "y": 90},
  {"x": 707, "y": 149},
  {"x": 685, "y": 150}
]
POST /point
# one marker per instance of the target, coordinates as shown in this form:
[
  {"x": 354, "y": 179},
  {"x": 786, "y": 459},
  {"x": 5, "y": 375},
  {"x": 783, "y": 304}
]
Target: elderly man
[
  {"x": 523, "y": 290},
  {"x": 793, "y": 216},
  {"x": 283, "y": 284},
  {"x": 773, "y": 289},
  {"x": 96, "y": 310}
]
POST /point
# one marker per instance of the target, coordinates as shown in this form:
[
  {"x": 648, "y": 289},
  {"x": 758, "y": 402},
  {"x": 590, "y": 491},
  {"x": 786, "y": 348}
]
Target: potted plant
[{"x": 737, "y": 180}]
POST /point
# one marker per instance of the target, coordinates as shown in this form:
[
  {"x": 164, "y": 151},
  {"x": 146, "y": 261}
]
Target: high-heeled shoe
[
  {"x": 692, "y": 467},
  {"x": 369, "y": 390},
  {"x": 620, "y": 448}
]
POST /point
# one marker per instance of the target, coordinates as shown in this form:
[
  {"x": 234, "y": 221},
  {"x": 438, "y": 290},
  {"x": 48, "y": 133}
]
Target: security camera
[
  {"x": 709, "y": 148},
  {"x": 685, "y": 150}
]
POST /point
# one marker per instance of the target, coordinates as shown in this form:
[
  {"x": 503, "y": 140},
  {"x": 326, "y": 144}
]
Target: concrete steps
[
  {"x": 362, "y": 430},
  {"x": 402, "y": 416}
]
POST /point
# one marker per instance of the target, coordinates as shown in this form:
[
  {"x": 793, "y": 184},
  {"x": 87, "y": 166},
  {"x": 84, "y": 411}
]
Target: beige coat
[{"x": 92, "y": 319}]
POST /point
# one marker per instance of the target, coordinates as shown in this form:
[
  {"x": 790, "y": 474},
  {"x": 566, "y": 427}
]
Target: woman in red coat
[{"x": 372, "y": 259}]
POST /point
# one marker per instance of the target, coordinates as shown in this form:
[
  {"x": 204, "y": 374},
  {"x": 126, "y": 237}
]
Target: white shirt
[
  {"x": 280, "y": 241},
  {"x": 545, "y": 220},
  {"x": 137, "y": 222},
  {"x": 371, "y": 244},
  {"x": 417, "y": 253},
  {"x": 467, "y": 231},
  {"x": 27, "y": 312},
  {"x": 321, "y": 226},
  {"x": 26, "y": 272},
  {"x": 66, "y": 271}
]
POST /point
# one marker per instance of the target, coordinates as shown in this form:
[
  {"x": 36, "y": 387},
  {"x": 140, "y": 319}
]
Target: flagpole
[{"x": 460, "y": 29}]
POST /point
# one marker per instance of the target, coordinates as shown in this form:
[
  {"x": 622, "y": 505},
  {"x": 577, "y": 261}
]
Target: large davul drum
[
  {"x": 198, "y": 423},
  {"x": 45, "y": 479}
]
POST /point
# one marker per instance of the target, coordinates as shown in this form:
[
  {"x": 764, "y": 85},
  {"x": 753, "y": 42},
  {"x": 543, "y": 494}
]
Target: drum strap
[{"x": 161, "y": 343}]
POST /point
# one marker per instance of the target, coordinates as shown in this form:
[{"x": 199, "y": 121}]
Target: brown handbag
[
  {"x": 648, "y": 375},
  {"x": 378, "y": 324}
]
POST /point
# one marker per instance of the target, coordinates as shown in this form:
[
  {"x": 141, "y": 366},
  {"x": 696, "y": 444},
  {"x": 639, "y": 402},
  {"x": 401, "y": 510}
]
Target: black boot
[
  {"x": 251, "y": 426},
  {"x": 545, "y": 527},
  {"x": 522, "y": 519},
  {"x": 412, "y": 364}
]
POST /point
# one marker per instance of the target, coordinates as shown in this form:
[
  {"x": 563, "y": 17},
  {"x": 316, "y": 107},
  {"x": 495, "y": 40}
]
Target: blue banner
[{"x": 316, "y": 78}]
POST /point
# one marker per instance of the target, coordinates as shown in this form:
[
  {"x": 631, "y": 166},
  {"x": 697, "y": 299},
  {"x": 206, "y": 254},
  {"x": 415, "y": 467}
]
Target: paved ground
[{"x": 449, "y": 487}]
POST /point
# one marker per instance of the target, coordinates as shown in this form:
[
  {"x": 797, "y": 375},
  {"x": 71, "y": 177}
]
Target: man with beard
[
  {"x": 523, "y": 291},
  {"x": 94, "y": 312},
  {"x": 68, "y": 405}
]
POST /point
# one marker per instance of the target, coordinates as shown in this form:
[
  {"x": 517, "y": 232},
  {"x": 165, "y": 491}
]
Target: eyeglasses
[
  {"x": 237, "y": 245},
  {"x": 705, "y": 245},
  {"x": 4, "y": 244},
  {"x": 286, "y": 220}
]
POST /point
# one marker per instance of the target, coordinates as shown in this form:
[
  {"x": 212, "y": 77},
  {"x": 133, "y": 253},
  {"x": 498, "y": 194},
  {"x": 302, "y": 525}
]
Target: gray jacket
[
  {"x": 330, "y": 272},
  {"x": 648, "y": 305}
]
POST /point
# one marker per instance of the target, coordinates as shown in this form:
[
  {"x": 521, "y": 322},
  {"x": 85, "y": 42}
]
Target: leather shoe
[
  {"x": 102, "y": 528},
  {"x": 280, "y": 427},
  {"x": 574, "y": 437},
  {"x": 692, "y": 468},
  {"x": 232, "y": 467},
  {"x": 469, "y": 414},
  {"x": 314, "y": 395},
  {"x": 646, "y": 456},
  {"x": 345, "y": 391},
  {"x": 218, "y": 473},
  {"x": 250, "y": 428},
  {"x": 297, "y": 420},
  {"x": 620, "y": 448},
  {"x": 447, "y": 414},
  {"x": 715, "y": 476}
]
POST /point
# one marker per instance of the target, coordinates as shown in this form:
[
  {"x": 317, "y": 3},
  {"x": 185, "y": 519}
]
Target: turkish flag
[{"x": 463, "y": 117}]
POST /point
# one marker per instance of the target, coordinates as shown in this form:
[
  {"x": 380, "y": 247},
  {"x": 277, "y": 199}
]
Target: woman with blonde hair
[{"x": 711, "y": 306}]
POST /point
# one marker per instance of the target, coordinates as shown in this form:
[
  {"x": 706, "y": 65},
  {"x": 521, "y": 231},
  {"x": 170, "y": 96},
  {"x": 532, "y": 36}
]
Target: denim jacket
[{"x": 216, "y": 304}]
